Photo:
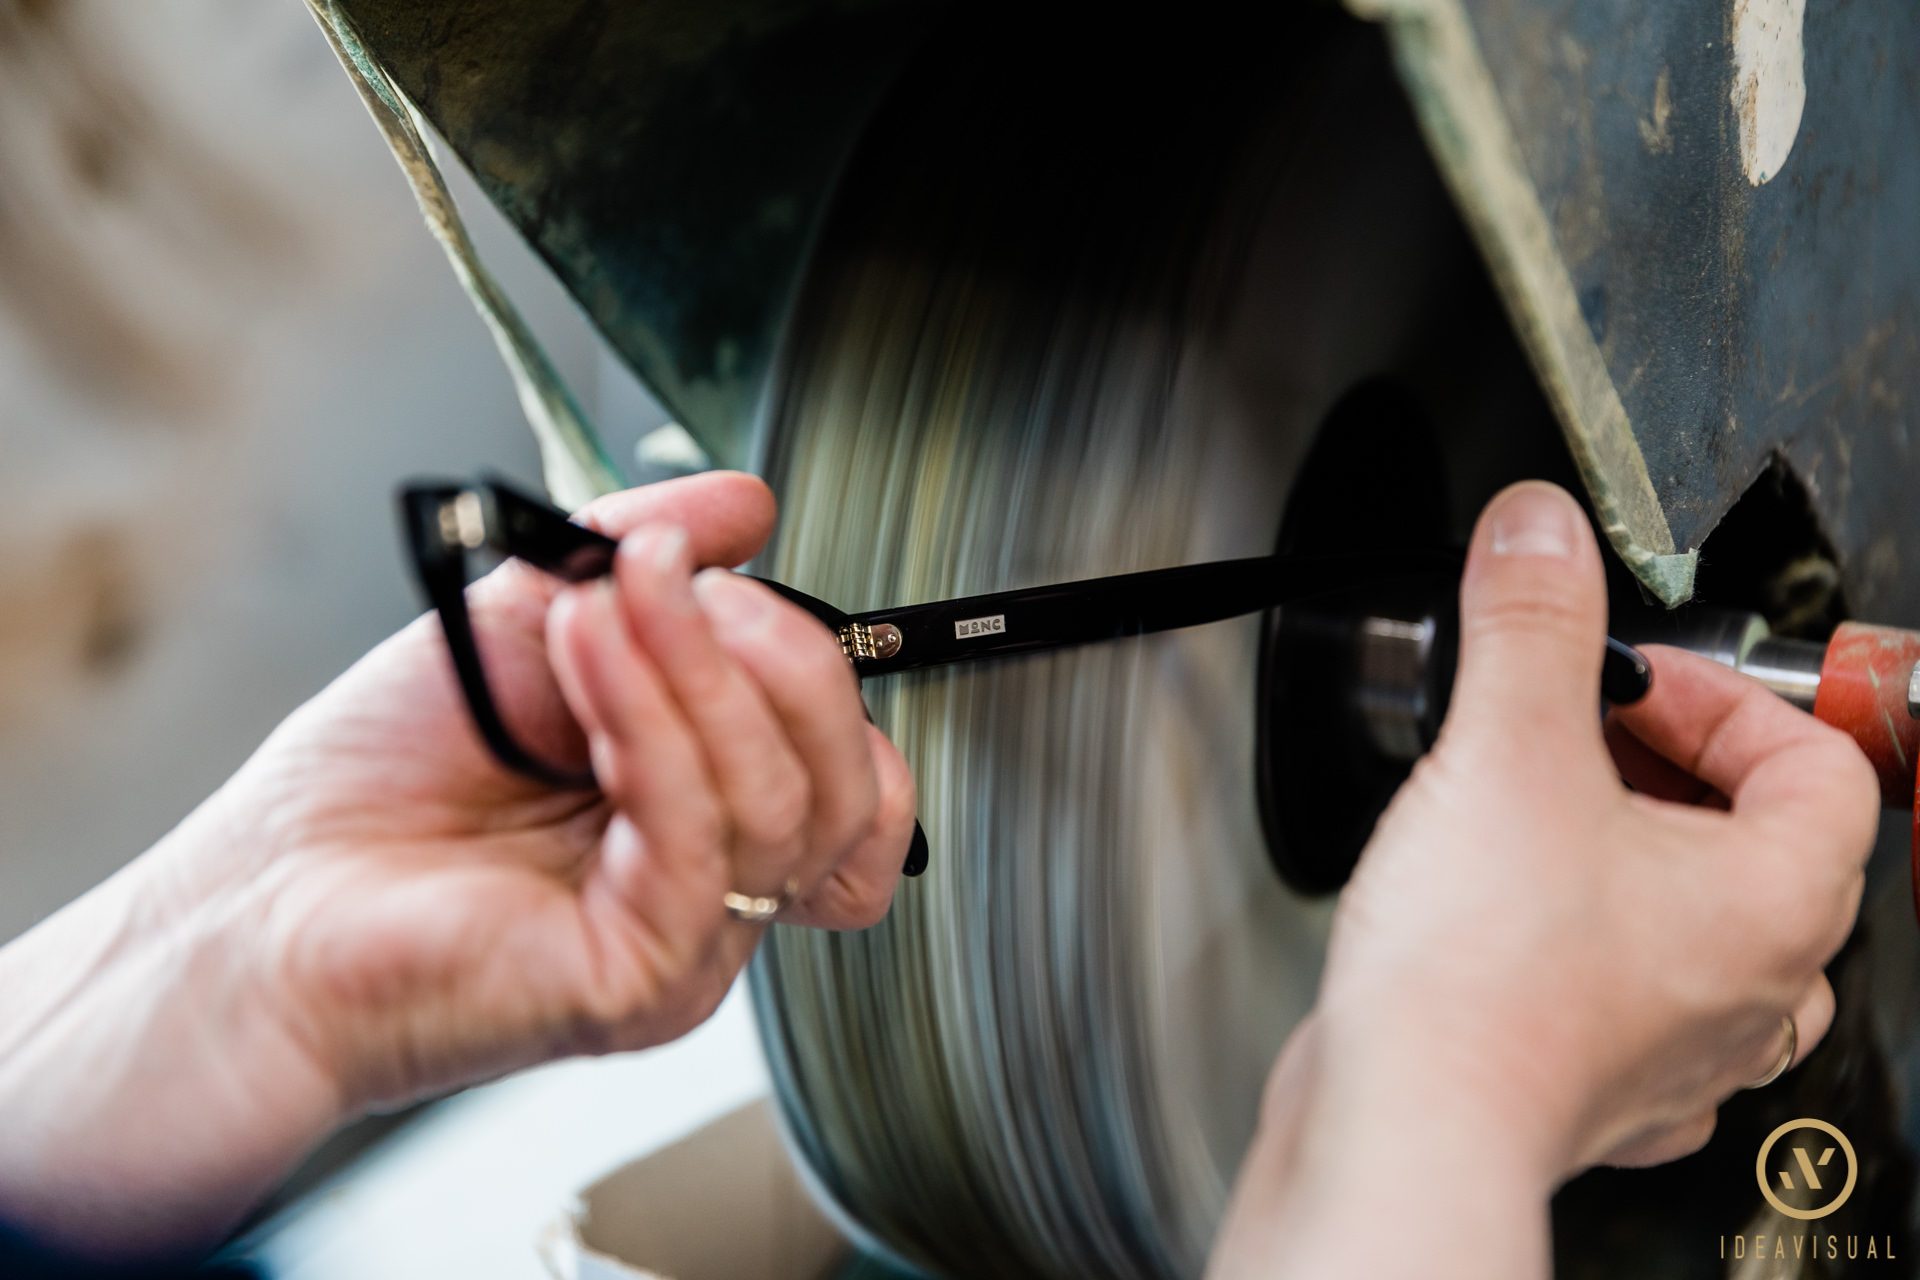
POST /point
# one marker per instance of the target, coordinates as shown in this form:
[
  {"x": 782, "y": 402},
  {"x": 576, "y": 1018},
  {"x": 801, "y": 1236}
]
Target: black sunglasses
[{"x": 446, "y": 523}]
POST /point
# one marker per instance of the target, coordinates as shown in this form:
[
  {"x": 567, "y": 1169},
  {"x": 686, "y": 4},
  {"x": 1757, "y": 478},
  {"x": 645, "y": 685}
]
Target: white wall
[{"x": 183, "y": 570}]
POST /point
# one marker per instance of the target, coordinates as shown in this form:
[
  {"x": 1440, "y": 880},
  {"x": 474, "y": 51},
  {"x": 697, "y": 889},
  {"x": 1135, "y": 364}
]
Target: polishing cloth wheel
[{"x": 1085, "y": 301}]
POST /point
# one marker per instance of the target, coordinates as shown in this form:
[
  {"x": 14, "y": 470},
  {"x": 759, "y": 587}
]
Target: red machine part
[{"x": 1863, "y": 690}]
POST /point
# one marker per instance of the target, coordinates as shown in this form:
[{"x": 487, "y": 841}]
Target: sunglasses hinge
[
  {"x": 463, "y": 520},
  {"x": 860, "y": 642}
]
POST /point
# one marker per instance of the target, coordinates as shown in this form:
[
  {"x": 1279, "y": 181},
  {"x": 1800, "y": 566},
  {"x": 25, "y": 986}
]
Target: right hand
[
  {"x": 1535, "y": 969},
  {"x": 1610, "y": 964}
]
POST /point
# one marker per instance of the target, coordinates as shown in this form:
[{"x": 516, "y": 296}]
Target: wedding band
[
  {"x": 1786, "y": 1057},
  {"x": 754, "y": 909}
]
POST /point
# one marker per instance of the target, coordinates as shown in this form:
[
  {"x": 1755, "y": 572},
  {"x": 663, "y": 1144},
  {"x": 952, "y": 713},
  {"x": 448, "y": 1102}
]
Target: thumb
[{"x": 1533, "y": 620}]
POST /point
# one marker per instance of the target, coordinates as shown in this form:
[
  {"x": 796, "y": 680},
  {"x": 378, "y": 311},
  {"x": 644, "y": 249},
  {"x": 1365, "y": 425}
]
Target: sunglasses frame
[{"x": 447, "y": 522}]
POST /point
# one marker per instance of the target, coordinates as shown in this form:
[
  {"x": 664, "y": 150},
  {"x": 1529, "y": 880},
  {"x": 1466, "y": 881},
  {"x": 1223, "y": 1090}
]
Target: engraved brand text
[{"x": 971, "y": 627}]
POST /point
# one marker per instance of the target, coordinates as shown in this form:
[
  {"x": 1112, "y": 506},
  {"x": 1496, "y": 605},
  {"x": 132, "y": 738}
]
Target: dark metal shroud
[
  {"x": 672, "y": 159},
  {"x": 669, "y": 160},
  {"x": 1739, "y": 322}
]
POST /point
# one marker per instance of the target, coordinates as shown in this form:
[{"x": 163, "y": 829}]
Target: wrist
[
  {"x": 149, "y": 1088},
  {"x": 1467, "y": 1054},
  {"x": 1351, "y": 1137}
]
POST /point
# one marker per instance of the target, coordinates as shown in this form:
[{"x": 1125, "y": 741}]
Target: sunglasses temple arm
[
  {"x": 1128, "y": 604},
  {"x": 543, "y": 535},
  {"x": 1074, "y": 613}
]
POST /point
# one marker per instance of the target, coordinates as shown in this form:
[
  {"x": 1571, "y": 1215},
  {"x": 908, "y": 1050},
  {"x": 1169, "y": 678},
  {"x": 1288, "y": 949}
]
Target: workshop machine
[{"x": 1004, "y": 295}]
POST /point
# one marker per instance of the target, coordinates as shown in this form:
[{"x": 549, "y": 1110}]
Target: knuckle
[
  {"x": 857, "y": 901},
  {"x": 693, "y": 1004},
  {"x": 1806, "y": 906},
  {"x": 896, "y": 798},
  {"x": 704, "y": 825},
  {"x": 1809, "y": 1037},
  {"x": 1801, "y": 937},
  {"x": 603, "y": 1016},
  {"x": 810, "y": 649},
  {"x": 778, "y": 809},
  {"x": 1551, "y": 609},
  {"x": 1846, "y": 907},
  {"x": 1743, "y": 722},
  {"x": 702, "y": 680},
  {"x": 1694, "y": 1136},
  {"x": 854, "y": 820},
  {"x": 1857, "y": 791},
  {"x": 860, "y": 806},
  {"x": 600, "y": 1012},
  {"x": 1835, "y": 929},
  {"x": 898, "y": 804},
  {"x": 1837, "y": 781},
  {"x": 1832, "y": 908},
  {"x": 840, "y": 831},
  {"x": 1776, "y": 913},
  {"x": 870, "y": 904}
]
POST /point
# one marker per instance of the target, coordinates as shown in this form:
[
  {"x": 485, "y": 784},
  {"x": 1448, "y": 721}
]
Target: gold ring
[
  {"x": 1786, "y": 1058},
  {"x": 755, "y": 909}
]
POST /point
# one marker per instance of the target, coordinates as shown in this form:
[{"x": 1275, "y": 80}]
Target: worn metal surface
[
  {"x": 668, "y": 159},
  {"x": 1700, "y": 214},
  {"x": 1737, "y": 249},
  {"x": 1863, "y": 690}
]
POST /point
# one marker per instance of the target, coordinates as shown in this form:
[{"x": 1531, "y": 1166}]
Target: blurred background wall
[{"x": 224, "y": 337}]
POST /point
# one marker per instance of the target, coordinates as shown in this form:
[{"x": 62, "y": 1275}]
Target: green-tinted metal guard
[
  {"x": 668, "y": 159},
  {"x": 1699, "y": 303}
]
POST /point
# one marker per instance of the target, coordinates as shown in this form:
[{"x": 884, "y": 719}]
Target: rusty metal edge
[{"x": 1459, "y": 112}]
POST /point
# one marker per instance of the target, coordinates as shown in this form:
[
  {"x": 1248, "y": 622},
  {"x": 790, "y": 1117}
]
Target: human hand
[
  {"x": 443, "y": 920},
  {"x": 373, "y": 911},
  {"x": 1535, "y": 969}
]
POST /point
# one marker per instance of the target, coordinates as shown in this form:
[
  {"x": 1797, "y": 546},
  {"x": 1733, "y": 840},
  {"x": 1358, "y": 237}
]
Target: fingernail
[
  {"x": 662, "y": 551},
  {"x": 732, "y": 605},
  {"x": 1533, "y": 519}
]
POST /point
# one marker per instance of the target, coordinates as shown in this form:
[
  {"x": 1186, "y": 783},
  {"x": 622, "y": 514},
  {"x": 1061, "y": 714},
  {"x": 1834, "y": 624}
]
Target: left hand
[{"x": 373, "y": 911}]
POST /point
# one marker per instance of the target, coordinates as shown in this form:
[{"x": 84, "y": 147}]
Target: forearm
[
  {"x": 1371, "y": 1168},
  {"x": 147, "y": 1093}
]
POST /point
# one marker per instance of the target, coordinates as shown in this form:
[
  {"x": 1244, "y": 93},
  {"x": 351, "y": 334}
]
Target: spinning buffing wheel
[
  {"x": 1090, "y": 301},
  {"x": 1040, "y": 342}
]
